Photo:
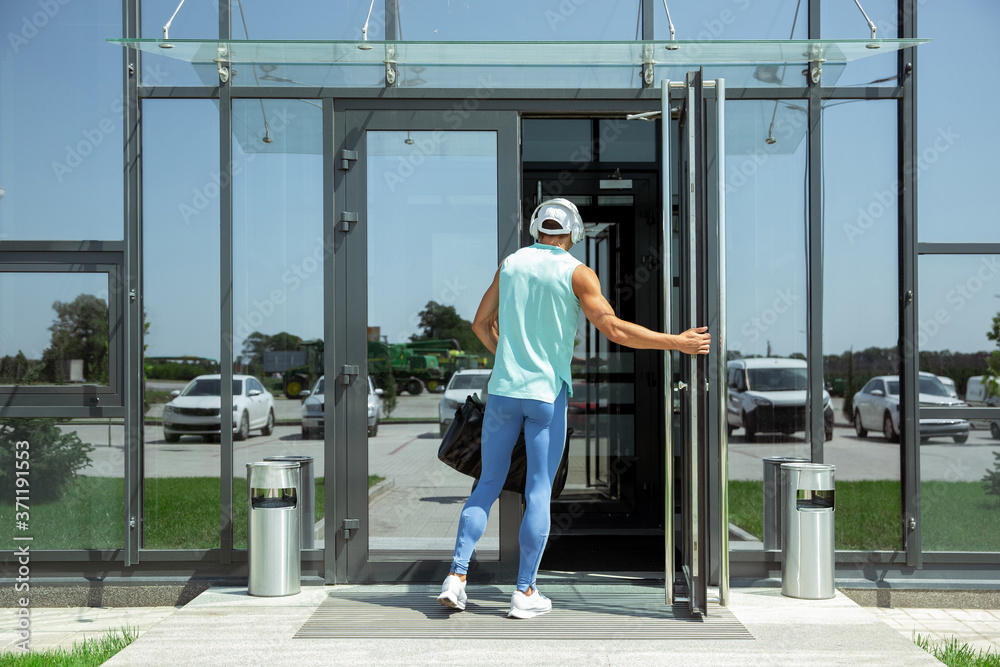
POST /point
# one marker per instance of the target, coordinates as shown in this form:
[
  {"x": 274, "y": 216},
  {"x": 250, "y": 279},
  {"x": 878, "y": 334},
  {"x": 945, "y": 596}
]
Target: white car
[
  {"x": 461, "y": 385},
  {"x": 312, "y": 410},
  {"x": 876, "y": 407},
  {"x": 769, "y": 395},
  {"x": 195, "y": 409}
]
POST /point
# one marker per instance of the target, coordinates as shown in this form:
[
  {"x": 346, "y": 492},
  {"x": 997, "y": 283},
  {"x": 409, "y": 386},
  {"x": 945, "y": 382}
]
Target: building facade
[{"x": 223, "y": 190}]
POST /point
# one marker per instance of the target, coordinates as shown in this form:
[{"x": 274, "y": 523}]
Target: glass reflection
[
  {"x": 860, "y": 358},
  {"x": 278, "y": 258},
  {"x": 181, "y": 499},
  {"x": 64, "y": 343},
  {"x": 432, "y": 252},
  {"x": 68, "y": 477},
  {"x": 766, "y": 300},
  {"x": 955, "y": 151},
  {"x": 959, "y": 341},
  {"x": 61, "y": 127}
]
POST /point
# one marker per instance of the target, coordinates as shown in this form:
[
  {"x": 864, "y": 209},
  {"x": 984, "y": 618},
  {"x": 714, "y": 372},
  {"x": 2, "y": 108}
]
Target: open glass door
[{"x": 695, "y": 296}]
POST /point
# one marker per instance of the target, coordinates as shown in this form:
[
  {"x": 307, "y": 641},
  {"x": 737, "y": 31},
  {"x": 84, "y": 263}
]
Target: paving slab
[{"x": 224, "y": 626}]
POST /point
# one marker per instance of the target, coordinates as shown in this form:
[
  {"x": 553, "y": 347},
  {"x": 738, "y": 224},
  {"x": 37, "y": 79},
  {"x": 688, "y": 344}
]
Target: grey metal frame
[
  {"x": 592, "y": 101},
  {"x": 73, "y": 400},
  {"x": 909, "y": 378}
]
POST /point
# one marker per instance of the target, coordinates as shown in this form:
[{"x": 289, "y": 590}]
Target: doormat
[{"x": 575, "y": 615}]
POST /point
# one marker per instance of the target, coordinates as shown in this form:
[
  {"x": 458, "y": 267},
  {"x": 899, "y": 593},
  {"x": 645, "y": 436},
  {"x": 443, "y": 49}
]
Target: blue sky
[{"x": 60, "y": 165}]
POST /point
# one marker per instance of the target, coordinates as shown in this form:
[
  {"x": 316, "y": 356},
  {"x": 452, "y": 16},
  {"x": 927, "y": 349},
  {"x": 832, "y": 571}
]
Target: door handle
[{"x": 681, "y": 386}]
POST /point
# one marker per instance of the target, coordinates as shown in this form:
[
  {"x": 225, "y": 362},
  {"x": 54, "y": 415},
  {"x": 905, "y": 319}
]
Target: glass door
[
  {"x": 427, "y": 204},
  {"x": 696, "y": 297}
]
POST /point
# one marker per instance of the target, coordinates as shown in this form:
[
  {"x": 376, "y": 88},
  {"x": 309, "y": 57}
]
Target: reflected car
[
  {"x": 462, "y": 384},
  {"x": 949, "y": 385},
  {"x": 769, "y": 396},
  {"x": 876, "y": 407},
  {"x": 195, "y": 409},
  {"x": 312, "y": 410}
]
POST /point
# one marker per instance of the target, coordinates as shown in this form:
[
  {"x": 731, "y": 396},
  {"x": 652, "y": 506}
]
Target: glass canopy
[{"x": 502, "y": 54}]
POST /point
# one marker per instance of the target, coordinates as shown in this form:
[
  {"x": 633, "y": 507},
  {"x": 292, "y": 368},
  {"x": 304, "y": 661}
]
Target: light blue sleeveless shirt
[{"x": 538, "y": 318}]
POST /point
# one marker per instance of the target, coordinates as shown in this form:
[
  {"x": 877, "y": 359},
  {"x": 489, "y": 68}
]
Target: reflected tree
[
  {"x": 440, "y": 322},
  {"x": 80, "y": 331},
  {"x": 993, "y": 362}
]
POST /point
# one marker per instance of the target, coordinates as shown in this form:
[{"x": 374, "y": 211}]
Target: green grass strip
[
  {"x": 954, "y": 654},
  {"x": 92, "y": 651}
]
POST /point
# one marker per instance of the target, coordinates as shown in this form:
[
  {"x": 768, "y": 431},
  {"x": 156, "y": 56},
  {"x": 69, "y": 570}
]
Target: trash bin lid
[{"x": 273, "y": 475}]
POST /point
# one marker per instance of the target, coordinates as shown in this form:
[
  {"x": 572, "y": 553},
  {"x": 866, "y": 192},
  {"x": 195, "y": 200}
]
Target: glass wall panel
[
  {"x": 766, "y": 299},
  {"x": 432, "y": 253},
  {"x": 54, "y": 328},
  {"x": 278, "y": 257},
  {"x": 843, "y": 20},
  {"x": 956, "y": 143},
  {"x": 62, "y": 483},
  {"x": 959, "y": 340},
  {"x": 860, "y": 330},
  {"x": 180, "y": 218},
  {"x": 734, "y": 19},
  {"x": 193, "y": 20},
  {"x": 60, "y": 126}
]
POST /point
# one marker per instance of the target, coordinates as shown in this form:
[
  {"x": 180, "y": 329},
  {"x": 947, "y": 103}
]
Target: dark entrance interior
[{"x": 610, "y": 515}]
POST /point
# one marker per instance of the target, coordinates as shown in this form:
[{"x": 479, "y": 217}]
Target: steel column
[
  {"x": 133, "y": 362},
  {"x": 226, "y": 300},
  {"x": 909, "y": 352}
]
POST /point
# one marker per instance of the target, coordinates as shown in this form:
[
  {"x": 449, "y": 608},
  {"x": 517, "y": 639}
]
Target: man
[{"x": 528, "y": 319}]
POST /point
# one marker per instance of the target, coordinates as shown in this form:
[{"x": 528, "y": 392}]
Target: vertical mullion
[
  {"x": 648, "y": 11},
  {"x": 226, "y": 301},
  {"x": 908, "y": 341},
  {"x": 131, "y": 279},
  {"x": 331, "y": 573},
  {"x": 814, "y": 258},
  {"x": 668, "y": 284},
  {"x": 721, "y": 350}
]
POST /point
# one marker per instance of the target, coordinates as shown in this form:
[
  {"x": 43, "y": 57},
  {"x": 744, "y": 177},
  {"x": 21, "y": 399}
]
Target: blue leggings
[{"x": 545, "y": 435}]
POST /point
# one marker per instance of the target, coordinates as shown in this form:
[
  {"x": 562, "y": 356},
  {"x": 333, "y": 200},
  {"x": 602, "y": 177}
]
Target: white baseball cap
[{"x": 557, "y": 214}]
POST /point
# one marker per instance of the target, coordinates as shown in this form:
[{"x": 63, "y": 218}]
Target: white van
[{"x": 975, "y": 393}]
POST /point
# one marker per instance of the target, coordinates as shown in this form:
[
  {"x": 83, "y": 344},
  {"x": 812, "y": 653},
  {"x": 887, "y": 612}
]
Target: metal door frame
[
  {"x": 346, "y": 460},
  {"x": 704, "y": 508}
]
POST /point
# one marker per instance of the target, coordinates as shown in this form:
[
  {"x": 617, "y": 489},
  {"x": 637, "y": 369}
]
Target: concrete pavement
[{"x": 224, "y": 626}]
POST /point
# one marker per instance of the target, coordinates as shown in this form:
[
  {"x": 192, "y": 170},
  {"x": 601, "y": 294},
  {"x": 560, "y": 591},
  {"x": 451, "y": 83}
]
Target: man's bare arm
[
  {"x": 587, "y": 288},
  {"x": 486, "y": 324}
]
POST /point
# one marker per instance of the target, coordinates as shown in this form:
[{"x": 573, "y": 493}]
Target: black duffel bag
[{"x": 461, "y": 449}]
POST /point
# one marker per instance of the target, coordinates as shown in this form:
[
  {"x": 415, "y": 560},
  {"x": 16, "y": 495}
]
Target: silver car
[
  {"x": 312, "y": 410},
  {"x": 876, "y": 407}
]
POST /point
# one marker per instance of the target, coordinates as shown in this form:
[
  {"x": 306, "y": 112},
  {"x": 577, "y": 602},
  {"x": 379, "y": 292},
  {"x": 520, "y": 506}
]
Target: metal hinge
[
  {"x": 347, "y": 525},
  {"x": 348, "y": 373},
  {"x": 346, "y": 158},
  {"x": 346, "y": 218}
]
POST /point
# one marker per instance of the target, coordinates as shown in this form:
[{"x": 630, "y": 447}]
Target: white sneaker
[
  {"x": 528, "y": 606},
  {"x": 453, "y": 593}
]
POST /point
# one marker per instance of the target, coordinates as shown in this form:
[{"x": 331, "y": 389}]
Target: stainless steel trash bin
[
  {"x": 774, "y": 508},
  {"x": 307, "y": 497},
  {"x": 273, "y": 534},
  {"x": 807, "y": 567}
]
